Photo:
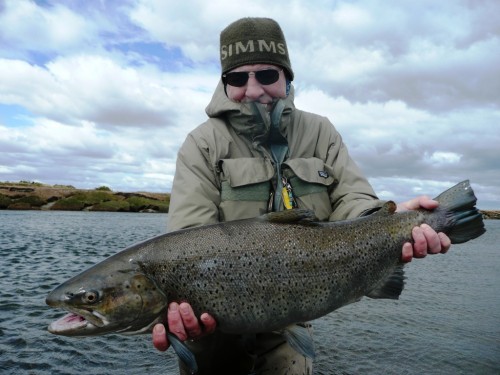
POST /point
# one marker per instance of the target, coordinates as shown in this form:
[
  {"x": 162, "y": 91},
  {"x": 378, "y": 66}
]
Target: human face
[{"x": 253, "y": 90}]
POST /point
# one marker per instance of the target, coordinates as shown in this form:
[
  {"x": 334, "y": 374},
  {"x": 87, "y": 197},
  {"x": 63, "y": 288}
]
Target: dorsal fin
[
  {"x": 389, "y": 208},
  {"x": 291, "y": 216}
]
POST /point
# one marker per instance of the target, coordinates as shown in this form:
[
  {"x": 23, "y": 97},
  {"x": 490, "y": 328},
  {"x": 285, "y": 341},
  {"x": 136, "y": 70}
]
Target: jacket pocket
[
  {"x": 311, "y": 180},
  {"x": 245, "y": 187}
]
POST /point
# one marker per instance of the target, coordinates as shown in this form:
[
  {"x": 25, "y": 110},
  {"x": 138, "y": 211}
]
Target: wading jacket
[{"x": 225, "y": 170}]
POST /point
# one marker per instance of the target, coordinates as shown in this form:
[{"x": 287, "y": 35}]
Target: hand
[
  {"x": 425, "y": 239},
  {"x": 183, "y": 323}
]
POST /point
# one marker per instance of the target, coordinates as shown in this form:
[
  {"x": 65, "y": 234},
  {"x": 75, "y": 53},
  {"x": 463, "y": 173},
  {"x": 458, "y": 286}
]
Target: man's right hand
[{"x": 184, "y": 324}]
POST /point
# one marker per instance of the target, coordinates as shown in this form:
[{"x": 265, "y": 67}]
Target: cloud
[
  {"x": 107, "y": 91},
  {"x": 394, "y": 142},
  {"x": 412, "y": 52},
  {"x": 101, "y": 91},
  {"x": 27, "y": 27}
]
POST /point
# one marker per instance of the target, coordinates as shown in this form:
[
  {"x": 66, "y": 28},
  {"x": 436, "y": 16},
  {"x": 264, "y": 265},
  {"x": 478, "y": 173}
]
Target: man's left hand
[{"x": 425, "y": 239}]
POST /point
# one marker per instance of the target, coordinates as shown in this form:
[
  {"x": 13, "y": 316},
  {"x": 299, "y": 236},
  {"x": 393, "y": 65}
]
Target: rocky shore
[
  {"x": 491, "y": 214},
  {"x": 36, "y": 196}
]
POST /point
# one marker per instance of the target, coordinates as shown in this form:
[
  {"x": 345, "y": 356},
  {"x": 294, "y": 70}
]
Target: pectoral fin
[
  {"x": 300, "y": 339},
  {"x": 184, "y": 353},
  {"x": 391, "y": 286},
  {"x": 389, "y": 208}
]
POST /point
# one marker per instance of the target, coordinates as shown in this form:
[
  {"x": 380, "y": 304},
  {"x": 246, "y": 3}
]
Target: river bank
[{"x": 37, "y": 196}]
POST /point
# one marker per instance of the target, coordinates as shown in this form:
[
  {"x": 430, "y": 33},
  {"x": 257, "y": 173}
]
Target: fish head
[{"x": 111, "y": 297}]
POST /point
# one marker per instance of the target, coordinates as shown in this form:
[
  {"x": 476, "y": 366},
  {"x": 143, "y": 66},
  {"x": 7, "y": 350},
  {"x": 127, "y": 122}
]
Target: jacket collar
[{"x": 250, "y": 120}]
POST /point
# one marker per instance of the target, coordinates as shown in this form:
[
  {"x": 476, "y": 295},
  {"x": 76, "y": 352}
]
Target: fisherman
[{"x": 257, "y": 153}]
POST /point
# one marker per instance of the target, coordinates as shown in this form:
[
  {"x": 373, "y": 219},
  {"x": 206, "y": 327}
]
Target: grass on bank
[{"x": 67, "y": 198}]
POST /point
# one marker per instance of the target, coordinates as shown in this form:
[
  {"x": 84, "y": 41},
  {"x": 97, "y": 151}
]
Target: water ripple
[{"x": 446, "y": 322}]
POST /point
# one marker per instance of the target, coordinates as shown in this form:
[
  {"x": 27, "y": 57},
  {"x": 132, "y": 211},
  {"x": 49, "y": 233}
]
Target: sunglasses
[{"x": 240, "y": 79}]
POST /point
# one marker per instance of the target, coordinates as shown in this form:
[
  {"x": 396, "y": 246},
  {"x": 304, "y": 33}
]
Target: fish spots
[{"x": 245, "y": 273}]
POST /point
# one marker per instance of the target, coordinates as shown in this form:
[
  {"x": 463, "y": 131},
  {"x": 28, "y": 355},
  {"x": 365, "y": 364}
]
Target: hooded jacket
[{"x": 225, "y": 170}]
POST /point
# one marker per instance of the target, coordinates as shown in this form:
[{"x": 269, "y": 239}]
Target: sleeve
[
  {"x": 352, "y": 195},
  {"x": 195, "y": 195}
]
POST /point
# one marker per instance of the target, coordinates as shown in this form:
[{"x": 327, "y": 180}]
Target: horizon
[{"x": 55, "y": 186}]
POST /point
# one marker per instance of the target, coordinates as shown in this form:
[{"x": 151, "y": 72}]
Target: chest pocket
[
  {"x": 311, "y": 182},
  {"x": 245, "y": 187}
]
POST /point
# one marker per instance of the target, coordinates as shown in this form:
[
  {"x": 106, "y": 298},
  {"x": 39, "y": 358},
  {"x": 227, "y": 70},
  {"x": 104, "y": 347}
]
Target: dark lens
[
  {"x": 240, "y": 79},
  {"x": 268, "y": 76},
  {"x": 236, "y": 79}
]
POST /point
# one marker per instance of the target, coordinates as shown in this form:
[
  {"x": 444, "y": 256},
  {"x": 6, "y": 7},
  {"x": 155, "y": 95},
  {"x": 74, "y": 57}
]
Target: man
[{"x": 258, "y": 153}]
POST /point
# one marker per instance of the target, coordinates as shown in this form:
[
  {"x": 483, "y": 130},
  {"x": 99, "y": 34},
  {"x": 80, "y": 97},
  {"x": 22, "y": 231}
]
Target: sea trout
[{"x": 256, "y": 275}]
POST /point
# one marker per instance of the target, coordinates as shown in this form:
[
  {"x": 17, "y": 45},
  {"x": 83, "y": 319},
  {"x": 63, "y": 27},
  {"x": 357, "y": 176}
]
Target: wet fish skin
[
  {"x": 260, "y": 275},
  {"x": 110, "y": 297},
  {"x": 257, "y": 275}
]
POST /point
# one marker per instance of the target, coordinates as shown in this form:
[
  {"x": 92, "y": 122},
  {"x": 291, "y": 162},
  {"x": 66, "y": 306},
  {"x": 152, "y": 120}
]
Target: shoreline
[{"x": 37, "y": 196}]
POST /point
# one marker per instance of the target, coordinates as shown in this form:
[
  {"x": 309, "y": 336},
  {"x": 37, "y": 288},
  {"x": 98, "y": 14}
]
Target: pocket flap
[
  {"x": 312, "y": 170},
  {"x": 246, "y": 171}
]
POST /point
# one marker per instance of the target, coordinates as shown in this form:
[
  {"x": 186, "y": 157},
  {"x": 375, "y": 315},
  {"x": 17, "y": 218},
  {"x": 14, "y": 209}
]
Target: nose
[{"x": 254, "y": 89}]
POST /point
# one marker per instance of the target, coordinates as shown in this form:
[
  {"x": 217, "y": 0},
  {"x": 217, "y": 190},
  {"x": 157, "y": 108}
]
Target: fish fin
[
  {"x": 463, "y": 220},
  {"x": 185, "y": 355},
  {"x": 391, "y": 286},
  {"x": 300, "y": 339},
  {"x": 291, "y": 216},
  {"x": 389, "y": 208}
]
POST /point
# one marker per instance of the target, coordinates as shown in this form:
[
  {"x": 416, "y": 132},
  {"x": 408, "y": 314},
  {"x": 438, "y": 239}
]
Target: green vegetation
[
  {"x": 92, "y": 197},
  {"x": 26, "y": 195},
  {"x": 32, "y": 200},
  {"x": 138, "y": 203},
  {"x": 22, "y": 183},
  {"x": 112, "y": 206},
  {"x": 64, "y": 186},
  {"x": 4, "y": 202},
  {"x": 68, "y": 204},
  {"x": 34, "y": 184}
]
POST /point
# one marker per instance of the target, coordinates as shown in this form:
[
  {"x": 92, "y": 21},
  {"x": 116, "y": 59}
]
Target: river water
[{"x": 447, "y": 320}]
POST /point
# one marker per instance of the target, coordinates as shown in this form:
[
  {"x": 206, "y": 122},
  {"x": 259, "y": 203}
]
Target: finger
[
  {"x": 175, "y": 323},
  {"x": 209, "y": 323},
  {"x": 432, "y": 238},
  {"x": 445, "y": 242},
  {"x": 408, "y": 205},
  {"x": 407, "y": 253},
  {"x": 191, "y": 324},
  {"x": 160, "y": 340},
  {"x": 427, "y": 203},
  {"x": 419, "y": 243}
]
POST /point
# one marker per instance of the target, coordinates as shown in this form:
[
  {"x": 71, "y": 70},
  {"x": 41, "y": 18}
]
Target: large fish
[{"x": 256, "y": 275}]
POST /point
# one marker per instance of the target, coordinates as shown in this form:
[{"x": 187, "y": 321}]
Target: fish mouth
[
  {"x": 68, "y": 323},
  {"x": 78, "y": 323}
]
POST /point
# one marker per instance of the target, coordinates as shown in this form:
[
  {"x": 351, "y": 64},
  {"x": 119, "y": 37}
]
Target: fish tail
[{"x": 463, "y": 221}]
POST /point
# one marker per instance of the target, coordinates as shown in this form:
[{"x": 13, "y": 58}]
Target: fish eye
[{"x": 91, "y": 296}]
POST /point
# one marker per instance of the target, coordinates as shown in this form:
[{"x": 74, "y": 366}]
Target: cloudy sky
[{"x": 104, "y": 92}]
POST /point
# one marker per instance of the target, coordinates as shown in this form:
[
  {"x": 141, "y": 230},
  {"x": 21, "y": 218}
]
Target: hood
[{"x": 247, "y": 119}]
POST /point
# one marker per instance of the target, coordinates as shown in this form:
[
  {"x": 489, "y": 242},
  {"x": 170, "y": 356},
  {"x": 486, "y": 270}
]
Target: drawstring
[{"x": 279, "y": 149}]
